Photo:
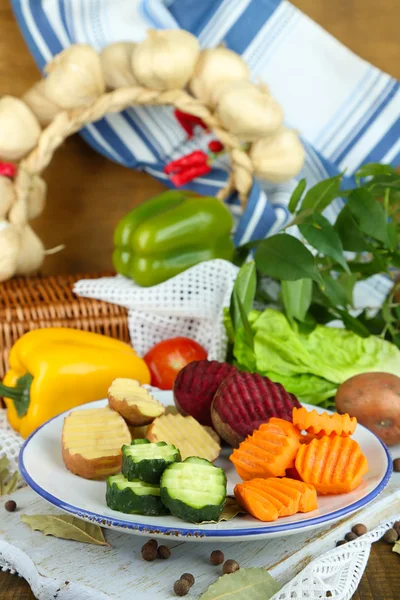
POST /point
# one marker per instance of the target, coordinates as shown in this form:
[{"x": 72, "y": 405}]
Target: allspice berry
[
  {"x": 163, "y": 552},
  {"x": 149, "y": 552},
  {"x": 181, "y": 587},
  {"x": 10, "y": 505},
  {"x": 230, "y": 566},
  {"x": 189, "y": 578},
  {"x": 396, "y": 527},
  {"x": 396, "y": 465},
  {"x": 152, "y": 543},
  {"x": 349, "y": 537},
  {"x": 340, "y": 543},
  {"x": 391, "y": 536},
  {"x": 359, "y": 529},
  {"x": 217, "y": 557}
]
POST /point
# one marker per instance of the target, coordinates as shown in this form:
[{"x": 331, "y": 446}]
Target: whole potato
[{"x": 374, "y": 399}]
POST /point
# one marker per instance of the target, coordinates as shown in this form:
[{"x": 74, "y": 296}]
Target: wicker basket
[{"x": 35, "y": 302}]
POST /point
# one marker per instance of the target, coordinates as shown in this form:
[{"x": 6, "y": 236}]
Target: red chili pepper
[
  {"x": 189, "y": 174},
  {"x": 188, "y": 122},
  {"x": 215, "y": 146},
  {"x": 8, "y": 169},
  {"x": 198, "y": 157}
]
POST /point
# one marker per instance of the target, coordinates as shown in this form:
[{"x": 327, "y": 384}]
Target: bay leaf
[
  {"x": 66, "y": 527},
  {"x": 8, "y": 482},
  {"x": 231, "y": 510},
  {"x": 396, "y": 547},
  {"x": 255, "y": 583}
]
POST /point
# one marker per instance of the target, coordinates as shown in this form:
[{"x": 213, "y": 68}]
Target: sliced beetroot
[
  {"x": 246, "y": 400},
  {"x": 195, "y": 386}
]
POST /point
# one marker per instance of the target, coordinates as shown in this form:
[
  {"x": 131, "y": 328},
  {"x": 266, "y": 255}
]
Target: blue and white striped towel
[{"x": 346, "y": 110}]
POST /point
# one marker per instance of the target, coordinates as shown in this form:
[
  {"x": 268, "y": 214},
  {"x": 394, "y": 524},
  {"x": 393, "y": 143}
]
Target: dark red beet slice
[
  {"x": 246, "y": 400},
  {"x": 195, "y": 387}
]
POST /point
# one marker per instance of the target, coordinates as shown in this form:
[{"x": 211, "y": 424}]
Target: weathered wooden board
[{"x": 118, "y": 571}]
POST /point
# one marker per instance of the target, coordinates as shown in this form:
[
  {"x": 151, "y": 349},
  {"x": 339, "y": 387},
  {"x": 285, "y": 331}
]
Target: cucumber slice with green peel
[
  {"x": 194, "y": 490},
  {"x": 134, "y": 497},
  {"x": 147, "y": 461}
]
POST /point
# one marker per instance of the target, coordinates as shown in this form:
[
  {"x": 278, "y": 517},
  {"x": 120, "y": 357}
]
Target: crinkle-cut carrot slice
[
  {"x": 321, "y": 424},
  {"x": 288, "y": 497},
  {"x": 266, "y": 453},
  {"x": 286, "y": 426},
  {"x": 308, "y": 493},
  {"x": 258, "y": 506},
  {"x": 333, "y": 465}
]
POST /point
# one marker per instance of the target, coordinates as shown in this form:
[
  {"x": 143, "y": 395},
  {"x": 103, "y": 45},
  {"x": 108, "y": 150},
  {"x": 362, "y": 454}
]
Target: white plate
[{"x": 43, "y": 469}]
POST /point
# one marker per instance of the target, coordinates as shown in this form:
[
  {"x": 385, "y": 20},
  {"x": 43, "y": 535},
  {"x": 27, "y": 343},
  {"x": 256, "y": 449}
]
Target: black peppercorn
[
  {"x": 341, "y": 542},
  {"x": 10, "y": 505},
  {"x": 390, "y": 536},
  {"x": 359, "y": 529},
  {"x": 189, "y": 578},
  {"x": 152, "y": 543},
  {"x": 217, "y": 557},
  {"x": 163, "y": 552},
  {"x": 181, "y": 587},
  {"x": 230, "y": 566},
  {"x": 396, "y": 465},
  {"x": 349, "y": 537}
]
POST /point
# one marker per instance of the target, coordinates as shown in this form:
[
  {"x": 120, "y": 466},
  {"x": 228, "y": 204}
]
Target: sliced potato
[
  {"x": 138, "y": 433},
  {"x": 134, "y": 402},
  {"x": 92, "y": 440},
  {"x": 186, "y": 434}
]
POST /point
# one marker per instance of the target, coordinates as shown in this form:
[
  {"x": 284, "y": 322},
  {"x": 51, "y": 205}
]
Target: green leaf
[
  {"x": 378, "y": 264},
  {"x": 369, "y": 214},
  {"x": 297, "y": 194},
  {"x": 352, "y": 323},
  {"x": 372, "y": 169},
  {"x": 249, "y": 337},
  {"x": 395, "y": 259},
  {"x": 231, "y": 510},
  {"x": 351, "y": 235},
  {"x": 323, "y": 237},
  {"x": 244, "y": 584},
  {"x": 348, "y": 282},
  {"x": 335, "y": 292},
  {"x": 66, "y": 527},
  {"x": 391, "y": 234},
  {"x": 8, "y": 482},
  {"x": 296, "y": 297},
  {"x": 322, "y": 194},
  {"x": 283, "y": 256},
  {"x": 245, "y": 288}
]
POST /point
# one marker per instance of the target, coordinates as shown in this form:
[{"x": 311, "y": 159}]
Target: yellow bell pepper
[{"x": 55, "y": 369}]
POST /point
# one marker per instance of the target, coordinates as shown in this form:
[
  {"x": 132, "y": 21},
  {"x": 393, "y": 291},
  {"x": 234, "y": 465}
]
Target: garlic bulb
[
  {"x": 31, "y": 252},
  {"x": 279, "y": 157},
  {"x": 166, "y": 59},
  {"x": 75, "y": 77},
  {"x": 37, "y": 197},
  {"x": 7, "y": 195},
  {"x": 44, "y": 109},
  {"x": 116, "y": 62},
  {"x": 9, "y": 250},
  {"x": 216, "y": 66},
  {"x": 19, "y": 129},
  {"x": 247, "y": 111}
]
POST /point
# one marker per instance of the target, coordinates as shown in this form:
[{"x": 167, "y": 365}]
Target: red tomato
[{"x": 167, "y": 358}]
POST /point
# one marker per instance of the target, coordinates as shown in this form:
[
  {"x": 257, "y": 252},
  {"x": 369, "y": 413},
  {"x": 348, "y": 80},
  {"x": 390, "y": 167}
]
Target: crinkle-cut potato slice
[
  {"x": 139, "y": 432},
  {"x": 134, "y": 402},
  {"x": 186, "y": 434},
  {"x": 92, "y": 441}
]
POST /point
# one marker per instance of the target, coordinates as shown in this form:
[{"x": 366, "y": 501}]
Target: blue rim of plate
[{"x": 108, "y": 521}]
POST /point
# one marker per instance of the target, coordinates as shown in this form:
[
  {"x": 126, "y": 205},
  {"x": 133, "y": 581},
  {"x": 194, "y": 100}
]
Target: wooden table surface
[{"x": 88, "y": 194}]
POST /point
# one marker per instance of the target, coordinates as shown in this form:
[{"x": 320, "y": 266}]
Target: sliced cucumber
[
  {"x": 147, "y": 461},
  {"x": 134, "y": 497},
  {"x": 194, "y": 490}
]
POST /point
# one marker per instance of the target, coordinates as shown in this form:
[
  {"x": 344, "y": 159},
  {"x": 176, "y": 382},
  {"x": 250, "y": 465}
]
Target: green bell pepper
[{"x": 170, "y": 233}]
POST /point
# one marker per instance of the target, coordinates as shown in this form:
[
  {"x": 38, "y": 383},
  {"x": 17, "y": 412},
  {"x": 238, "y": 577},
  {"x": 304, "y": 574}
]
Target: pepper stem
[{"x": 20, "y": 394}]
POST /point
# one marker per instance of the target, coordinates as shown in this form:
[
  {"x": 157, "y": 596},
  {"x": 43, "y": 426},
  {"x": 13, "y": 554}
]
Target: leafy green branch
[{"x": 318, "y": 270}]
